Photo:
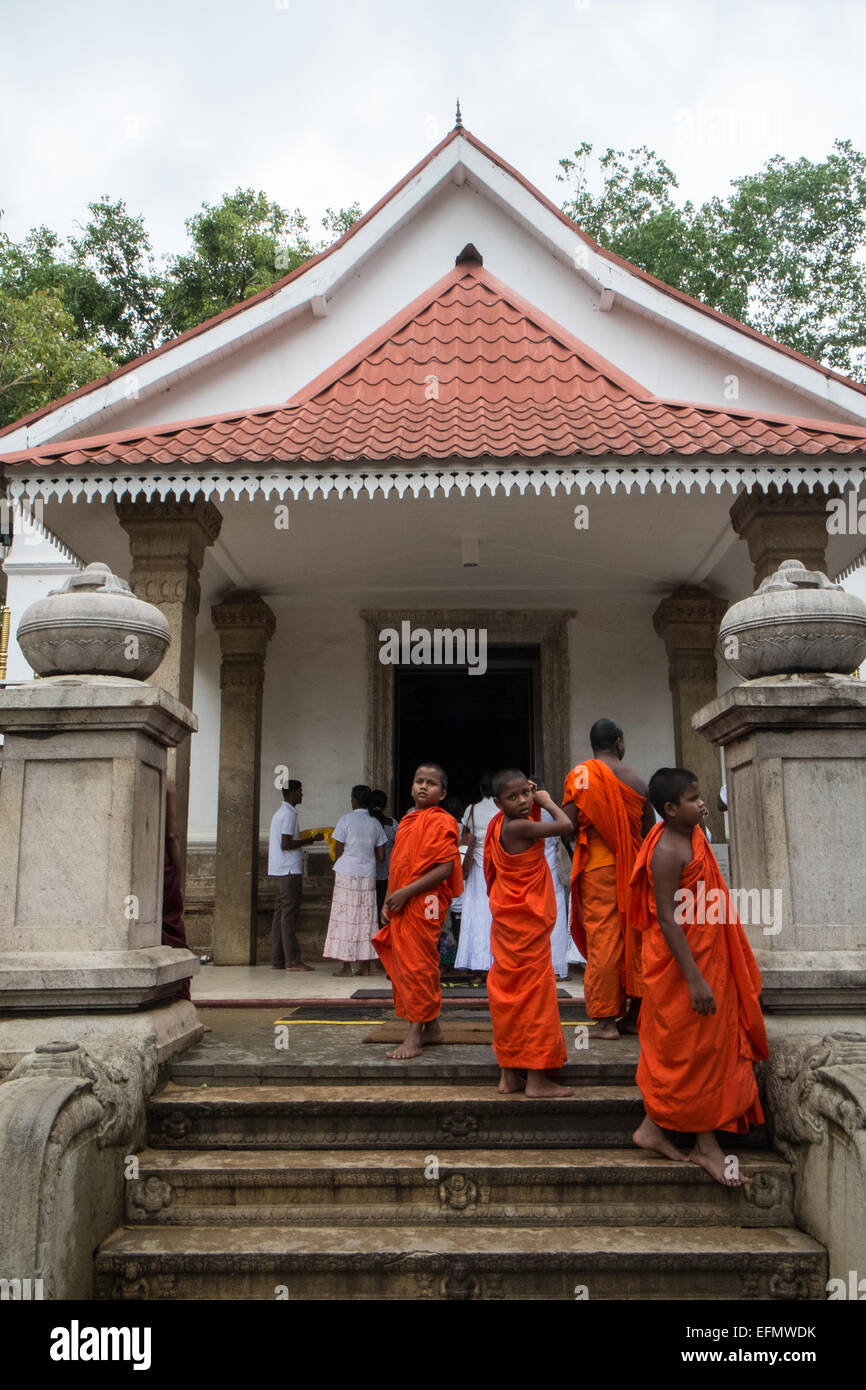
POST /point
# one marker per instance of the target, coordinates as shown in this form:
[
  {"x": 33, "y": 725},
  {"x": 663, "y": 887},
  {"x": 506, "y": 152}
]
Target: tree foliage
[
  {"x": 783, "y": 252},
  {"x": 240, "y": 246},
  {"x": 42, "y": 355}
]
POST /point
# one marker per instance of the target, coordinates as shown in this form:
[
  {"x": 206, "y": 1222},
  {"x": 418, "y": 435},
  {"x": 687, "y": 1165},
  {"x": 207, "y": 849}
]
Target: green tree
[
  {"x": 42, "y": 356},
  {"x": 105, "y": 278},
  {"x": 783, "y": 252},
  {"x": 240, "y": 246}
]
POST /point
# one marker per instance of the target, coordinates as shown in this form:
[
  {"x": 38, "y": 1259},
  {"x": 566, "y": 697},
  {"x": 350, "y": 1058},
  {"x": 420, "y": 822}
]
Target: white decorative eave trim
[{"x": 372, "y": 481}]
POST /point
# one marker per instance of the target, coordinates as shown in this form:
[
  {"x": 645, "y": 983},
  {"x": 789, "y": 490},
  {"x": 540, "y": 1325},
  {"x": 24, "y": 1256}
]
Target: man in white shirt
[{"x": 285, "y": 864}]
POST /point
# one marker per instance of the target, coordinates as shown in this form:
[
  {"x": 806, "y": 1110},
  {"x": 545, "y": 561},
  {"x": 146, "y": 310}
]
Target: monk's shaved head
[
  {"x": 439, "y": 770},
  {"x": 508, "y": 774},
  {"x": 668, "y": 784},
  {"x": 603, "y": 735}
]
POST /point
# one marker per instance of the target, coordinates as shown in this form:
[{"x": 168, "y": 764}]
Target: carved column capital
[
  {"x": 245, "y": 624},
  {"x": 783, "y": 523},
  {"x": 688, "y": 623}
]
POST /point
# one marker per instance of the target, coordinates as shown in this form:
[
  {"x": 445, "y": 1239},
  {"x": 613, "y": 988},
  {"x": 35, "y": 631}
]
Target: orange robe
[
  {"x": 409, "y": 945},
  {"x": 606, "y": 845},
  {"x": 521, "y": 985},
  {"x": 695, "y": 1071}
]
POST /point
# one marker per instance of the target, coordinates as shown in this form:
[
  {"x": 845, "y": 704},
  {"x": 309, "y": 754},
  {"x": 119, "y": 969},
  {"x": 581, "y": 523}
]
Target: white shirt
[
  {"x": 477, "y": 818},
  {"x": 284, "y": 861},
  {"x": 360, "y": 833}
]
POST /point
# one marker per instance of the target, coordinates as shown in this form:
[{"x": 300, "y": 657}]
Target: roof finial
[{"x": 458, "y": 123}]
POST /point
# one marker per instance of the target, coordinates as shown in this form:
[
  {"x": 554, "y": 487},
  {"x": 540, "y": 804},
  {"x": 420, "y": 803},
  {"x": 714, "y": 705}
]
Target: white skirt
[
  {"x": 562, "y": 945},
  {"x": 473, "y": 948},
  {"x": 353, "y": 922}
]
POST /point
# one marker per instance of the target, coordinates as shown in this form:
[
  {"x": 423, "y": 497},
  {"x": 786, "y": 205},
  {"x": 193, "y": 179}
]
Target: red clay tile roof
[
  {"x": 466, "y": 371},
  {"x": 457, "y": 132}
]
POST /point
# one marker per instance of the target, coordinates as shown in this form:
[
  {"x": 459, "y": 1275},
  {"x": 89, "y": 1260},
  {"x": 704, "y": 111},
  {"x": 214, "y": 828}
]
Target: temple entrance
[{"x": 467, "y": 723}]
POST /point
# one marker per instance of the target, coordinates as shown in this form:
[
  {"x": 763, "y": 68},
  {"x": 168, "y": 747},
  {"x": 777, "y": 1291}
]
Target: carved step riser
[
  {"x": 358, "y": 1278},
  {"x": 398, "y": 1132},
  {"x": 480, "y": 1199}
]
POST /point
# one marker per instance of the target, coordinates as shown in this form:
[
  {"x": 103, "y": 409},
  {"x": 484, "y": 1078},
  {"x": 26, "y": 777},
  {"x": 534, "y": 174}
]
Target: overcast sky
[{"x": 169, "y": 103}]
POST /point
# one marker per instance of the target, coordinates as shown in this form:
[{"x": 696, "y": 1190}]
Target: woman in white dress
[
  {"x": 359, "y": 841},
  {"x": 562, "y": 946},
  {"x": 473, "y": 948}
]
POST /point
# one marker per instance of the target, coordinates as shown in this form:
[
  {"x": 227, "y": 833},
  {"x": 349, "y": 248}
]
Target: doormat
[{"x": 331, "y": 1013}]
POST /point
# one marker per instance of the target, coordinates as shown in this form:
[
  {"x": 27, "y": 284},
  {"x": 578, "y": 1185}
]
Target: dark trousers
[{"x": 285, "y": 950}]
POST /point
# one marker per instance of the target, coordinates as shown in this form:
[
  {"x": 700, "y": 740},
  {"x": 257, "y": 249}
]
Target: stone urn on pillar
[
  {"x": 82, "y": 826},
  {"x": 794, "y": 740}
]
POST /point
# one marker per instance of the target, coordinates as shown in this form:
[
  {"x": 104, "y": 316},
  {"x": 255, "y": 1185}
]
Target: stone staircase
[{"x": 430, "y": 1186}]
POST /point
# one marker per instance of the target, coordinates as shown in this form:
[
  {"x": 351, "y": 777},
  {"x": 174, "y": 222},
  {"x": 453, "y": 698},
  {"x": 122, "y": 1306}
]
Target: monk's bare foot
[
  {"x": 345, "y": 972},
  {"x": 300, "y": 966},
  {"x": 540, "y": 1087},
  {"x": 649, "y": 1136},
  {"x": 604, "y": 1028},
  {"x": 431, "y": 1034},
  {"x": 410, "y": 1046},
  {"x": 510, "y": 1081},
  {"x": 628, "y": 1024},
  {"x": 725, "y": 1169}
]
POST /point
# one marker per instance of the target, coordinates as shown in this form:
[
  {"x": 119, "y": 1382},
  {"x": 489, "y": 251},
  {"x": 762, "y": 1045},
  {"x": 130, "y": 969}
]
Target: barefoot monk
[
  {"x": 521, "y": 985},
  {"x": 424, "y": 876},
  {"x": 606, "y": 802},
  {"x": 701, "y": 1027}
]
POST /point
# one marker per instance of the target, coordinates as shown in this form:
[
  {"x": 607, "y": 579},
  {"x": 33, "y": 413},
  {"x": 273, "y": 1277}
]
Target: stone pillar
[
  {"x": 82, "y": 826},
  {"x": 688, "y": 623},
  {"x": 168, "y": 540},
  {"x": 781, "y": 524},
  {"x": 795, "y": 754},
  {"x": 245, "y": 625}
]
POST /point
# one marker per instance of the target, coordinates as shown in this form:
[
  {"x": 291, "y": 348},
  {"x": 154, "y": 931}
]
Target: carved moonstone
[
  {"x": 93, "y": 625},
  {"x": 796, "y": 621}
]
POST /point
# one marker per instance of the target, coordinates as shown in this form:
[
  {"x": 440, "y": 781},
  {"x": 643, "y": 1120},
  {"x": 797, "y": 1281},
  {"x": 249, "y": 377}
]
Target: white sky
[{"x": 170, "y": 103}]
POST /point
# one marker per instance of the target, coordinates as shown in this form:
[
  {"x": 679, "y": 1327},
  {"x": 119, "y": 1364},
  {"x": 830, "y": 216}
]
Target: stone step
[
  {"x": 551, "y": 1187},
  {"x": 222, "y": 1064},
  {"x": 460, "y": 1262},
  {"x": 388, "y": 1117}
]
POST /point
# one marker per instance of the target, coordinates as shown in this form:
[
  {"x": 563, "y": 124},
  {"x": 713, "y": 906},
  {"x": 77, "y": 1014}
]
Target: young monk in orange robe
[
  {"x": 521, "y": 985},
  {"x": 701, "y": 1026},
  {"x": 607, "y": 805},
  {"x": 424, "y": 876}
]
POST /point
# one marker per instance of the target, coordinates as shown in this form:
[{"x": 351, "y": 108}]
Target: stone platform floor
[
  {"x": 241, "y": 1049},
  {"x": 249, "y": 984}
]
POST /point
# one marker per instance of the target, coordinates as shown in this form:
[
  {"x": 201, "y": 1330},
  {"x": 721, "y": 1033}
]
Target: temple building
[{"x": 455, "y": 488}]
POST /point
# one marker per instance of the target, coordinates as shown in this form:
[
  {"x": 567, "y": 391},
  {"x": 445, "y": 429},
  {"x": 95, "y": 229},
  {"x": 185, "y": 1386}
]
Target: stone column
[
  {"x": 168, "y": 540},
  {"x": 688, "y": 623},
  {"x": 245, "y": 625},
  {"x": 781, "y": 524}
]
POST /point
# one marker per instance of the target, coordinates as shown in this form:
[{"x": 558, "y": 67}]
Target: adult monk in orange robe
[
  {"x": 521, "y": 985},
  {"x": 424, "y": 876},
  {"x": 606, "y": 802},
  {"x": 701, "y": 1026}
]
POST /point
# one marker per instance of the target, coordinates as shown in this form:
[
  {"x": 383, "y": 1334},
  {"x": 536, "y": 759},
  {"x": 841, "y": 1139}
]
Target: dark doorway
[{"x": 466, "y": 723}]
